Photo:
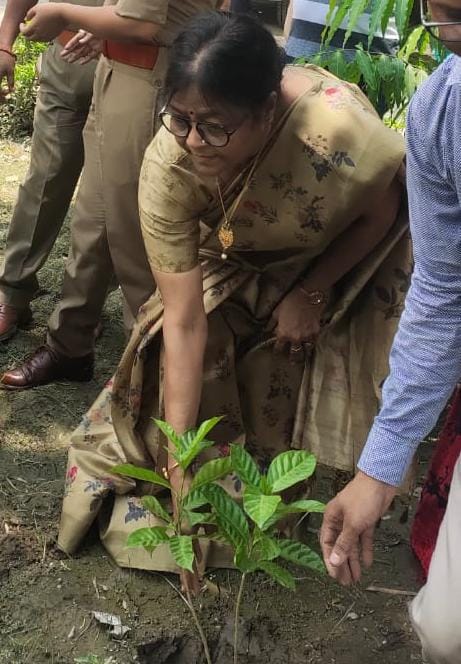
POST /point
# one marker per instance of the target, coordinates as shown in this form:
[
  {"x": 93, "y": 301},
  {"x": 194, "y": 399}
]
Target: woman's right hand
[{"x": 180, "y": 483}]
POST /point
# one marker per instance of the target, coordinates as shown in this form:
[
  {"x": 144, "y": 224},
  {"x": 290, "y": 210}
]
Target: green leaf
[
  {"x": 182, "y": 550},
  {"x": 211, "y": 471},
  {"x": 143, "y": 474},
  {"x": 296, "y": 552},
  {"x": 336, "y": 15},
  {"x": 191, "y": 447},
  {"x": 193, "y": 442},
  {"x": 149, "y": 538},
  {"x": 411, "y": 44},
  {"x": 290, "y": 468},
  {"x": 410, "y": 81},
  {"x": 355, "y": 12},
  {"x": 337, "y": 64},
  {"x": 402, "y": 13},
  {"x": 265, "y": 486},
  {"x": 245, "y": 466},
  {"x": 169, "y": 432},
  {"x": 421, "y": 76},
  {"x": 229, "y": 516},
  {"x": 297, "y": 507},
  {"x": 377, "y": 13},
  {"x": 218, "y": 537},
  {"x": 243, "y": 562},
  {"x": 199, "y": 518},
  {"x": 367, "y": 69},
  {"x": 266, "y": 548},
  {"x": 307, "y": 506},
  {"x": 206, "y": 427},
  {"x": 385, "y": 67},
  {"x": 387, "y": 15},
  {"x": 258, "y": 506},
  {"x": 353, "y": 72},
  {"x": 194, "y": 499},
  {"x": 279, "y": 574},
  {"x": 155, "y": 507}
]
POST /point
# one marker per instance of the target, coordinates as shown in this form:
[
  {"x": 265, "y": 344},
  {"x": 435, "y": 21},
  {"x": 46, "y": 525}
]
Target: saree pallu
[{"x": 302, "y": 194}]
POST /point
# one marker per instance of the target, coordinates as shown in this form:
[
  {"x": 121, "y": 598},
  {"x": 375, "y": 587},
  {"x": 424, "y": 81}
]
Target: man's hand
[
  {"x": 7, "y": 64},
  {"x": 346, "y": 536},
  {"x": 82, "y": 48},
  {"x": 44, "y": 22}
]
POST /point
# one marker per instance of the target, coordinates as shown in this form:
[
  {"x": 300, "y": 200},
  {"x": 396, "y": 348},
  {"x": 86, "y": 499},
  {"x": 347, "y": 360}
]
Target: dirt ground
[{"x": 46, "y": 602}]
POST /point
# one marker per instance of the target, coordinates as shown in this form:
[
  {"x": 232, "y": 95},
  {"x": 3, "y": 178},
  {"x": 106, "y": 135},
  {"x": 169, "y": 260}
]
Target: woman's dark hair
[{"x": 231, "y": 58}]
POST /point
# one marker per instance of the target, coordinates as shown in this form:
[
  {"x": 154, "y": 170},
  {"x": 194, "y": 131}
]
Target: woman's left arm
[
  {"x": 298, "y": 317},
  {"x": 358, "y": 240}
]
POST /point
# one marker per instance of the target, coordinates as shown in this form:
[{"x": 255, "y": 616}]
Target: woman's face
[{"x": 249, "y": 132}]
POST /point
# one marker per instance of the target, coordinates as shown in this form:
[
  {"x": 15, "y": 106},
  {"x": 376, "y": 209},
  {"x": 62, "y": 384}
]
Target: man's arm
[
  {"x": 45, "y": 22},
  {"x": 15, "y": 11},
  {"x": 425, "y": 364}
]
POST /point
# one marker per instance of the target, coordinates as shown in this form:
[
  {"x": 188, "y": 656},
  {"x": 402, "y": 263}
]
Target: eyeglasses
[
  {"x": 212, "y": 134},
  {"x": 446, "y": 31}
]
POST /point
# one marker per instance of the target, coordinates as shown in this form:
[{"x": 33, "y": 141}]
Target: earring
[{"x": 203, "y": 142}]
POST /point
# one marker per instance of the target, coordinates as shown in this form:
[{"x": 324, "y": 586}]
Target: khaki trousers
[
  {"x": 56, "y": 160},
  {"x": 105, "y": 230},
  {"x": 436, "y": 610}
]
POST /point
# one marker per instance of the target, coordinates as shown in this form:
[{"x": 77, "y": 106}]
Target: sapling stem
[
  {"x": 237, "y": 616},
  {"x": 178, "y": 531},
  {"x": 199, "y": 627}
]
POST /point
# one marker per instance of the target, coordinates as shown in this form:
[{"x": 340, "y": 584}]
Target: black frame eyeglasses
[
  {"x": 212, "y": 134},
  {"x": 433, "y": 27}
]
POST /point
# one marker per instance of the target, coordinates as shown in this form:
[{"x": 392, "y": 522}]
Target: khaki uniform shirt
[
  {"x": 84, "y": 3},
  {"x": 170, "y": 14}
]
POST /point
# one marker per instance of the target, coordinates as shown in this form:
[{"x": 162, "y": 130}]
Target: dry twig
[{"x": 390, "y": 591}]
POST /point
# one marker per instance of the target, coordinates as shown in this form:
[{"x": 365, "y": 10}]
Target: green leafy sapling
[
  {"x": 175, "y": 531},
  {"x": 252, "y": 530}
]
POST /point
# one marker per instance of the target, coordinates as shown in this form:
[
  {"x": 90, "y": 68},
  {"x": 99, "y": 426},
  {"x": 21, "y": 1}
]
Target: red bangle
[{"x": 7, "y": 50}]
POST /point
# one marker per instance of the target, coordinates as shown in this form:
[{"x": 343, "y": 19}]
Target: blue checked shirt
[{"x": 425, "y": 361}]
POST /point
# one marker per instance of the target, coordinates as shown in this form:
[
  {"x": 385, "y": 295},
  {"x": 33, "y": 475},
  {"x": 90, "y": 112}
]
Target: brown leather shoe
[
  {"x": 45, "y": 366},
  {"x": 11, "y": 318}
]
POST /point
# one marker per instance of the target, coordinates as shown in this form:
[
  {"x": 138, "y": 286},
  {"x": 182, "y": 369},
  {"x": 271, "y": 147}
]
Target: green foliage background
[
  {"x": 388, "y": 81},
  {"x": 16, "y": 114}
]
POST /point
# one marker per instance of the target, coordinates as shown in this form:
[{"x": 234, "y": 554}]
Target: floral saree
[{"x": 327, "y": 155}]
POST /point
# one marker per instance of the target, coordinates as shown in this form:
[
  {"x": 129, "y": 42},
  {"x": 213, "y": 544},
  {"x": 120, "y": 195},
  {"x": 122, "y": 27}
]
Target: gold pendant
[{"x": 226, "y": 237}]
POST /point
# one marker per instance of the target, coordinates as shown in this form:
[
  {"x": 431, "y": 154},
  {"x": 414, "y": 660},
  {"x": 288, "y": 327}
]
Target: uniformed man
[
  {"x": 56, "y": 160},
  {"x": 106, "y": 233}
]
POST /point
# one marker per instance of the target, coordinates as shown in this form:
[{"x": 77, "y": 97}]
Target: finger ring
[{"x": 296, "y": 349}]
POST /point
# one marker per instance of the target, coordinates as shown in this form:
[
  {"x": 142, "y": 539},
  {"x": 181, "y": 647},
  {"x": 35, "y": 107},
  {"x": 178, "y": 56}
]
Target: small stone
[{"x": 352, "y": 616}]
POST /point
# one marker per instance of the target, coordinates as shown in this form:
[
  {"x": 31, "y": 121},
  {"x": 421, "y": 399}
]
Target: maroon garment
[{"x": 434, "y": 496}]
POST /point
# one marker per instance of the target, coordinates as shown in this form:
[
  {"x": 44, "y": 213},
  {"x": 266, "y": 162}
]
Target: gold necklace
[{"x": 225, "y": 233}]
